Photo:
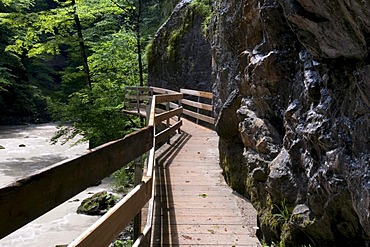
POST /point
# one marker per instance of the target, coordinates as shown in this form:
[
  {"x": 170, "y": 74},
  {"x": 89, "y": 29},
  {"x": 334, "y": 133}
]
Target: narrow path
[{"x": 194, "y": 204}]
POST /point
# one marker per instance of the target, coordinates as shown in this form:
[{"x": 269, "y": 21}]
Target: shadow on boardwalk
[
  {"x": 194, "y": 206},
  {"x": 166, "y": 222}
]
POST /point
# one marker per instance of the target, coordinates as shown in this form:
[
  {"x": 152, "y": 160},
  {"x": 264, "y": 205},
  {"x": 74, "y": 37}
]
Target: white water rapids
[{"x": 27, "y": 149}]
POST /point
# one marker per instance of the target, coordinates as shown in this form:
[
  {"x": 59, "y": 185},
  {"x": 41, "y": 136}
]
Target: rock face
[
  {"x": 291, "y": 84},
  {"x": 179, "y": 55},
  {"x": 292, "y": 87}
]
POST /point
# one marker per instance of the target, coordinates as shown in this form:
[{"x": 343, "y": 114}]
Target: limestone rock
[
  {"x": 301, "y": 70},
  {"x": 291, "y": 92}
]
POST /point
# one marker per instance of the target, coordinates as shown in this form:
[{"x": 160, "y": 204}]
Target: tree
[
  {"x": 96, "y": 41},
  {"x": 81, "y": 43},
  {"x": 23, "y": 80},
  {"x": 140, "y": 18}
]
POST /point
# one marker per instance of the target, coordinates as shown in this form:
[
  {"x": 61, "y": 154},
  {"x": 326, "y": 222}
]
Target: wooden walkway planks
[{"x": 194, "y": 206}]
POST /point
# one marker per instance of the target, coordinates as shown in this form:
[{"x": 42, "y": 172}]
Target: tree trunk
[
  {"x": 138, "y": 36},
  {"x": 82, "y": 45}
]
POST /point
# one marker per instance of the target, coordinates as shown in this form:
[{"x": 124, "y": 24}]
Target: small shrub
[
  {"x": 284, "y": 212},
  {"x": 124, "y": 178}
]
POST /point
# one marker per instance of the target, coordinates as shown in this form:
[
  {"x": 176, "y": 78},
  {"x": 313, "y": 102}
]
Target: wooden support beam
[
  {"x": 203, "y": 94},
  {"x": 162, "y": 90},
  {"x": 168, "y": 97},
  {"x": 167, "y": 115},
  {"x": 167, "y": 132},
  {"x": 152, "y": 111},
  {"x": 197, "y": 105},
  {"x": 144, "y": 239},
  {"x": 199, "y": 116}
]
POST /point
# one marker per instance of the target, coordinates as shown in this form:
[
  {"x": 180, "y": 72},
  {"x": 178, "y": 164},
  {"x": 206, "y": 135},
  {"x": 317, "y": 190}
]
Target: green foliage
[
  {"x": 95, "y": 114},
  {"x": 114, "y": 59},
  {"x": 201, "y": 7},
  {"x": 124, "y": 178},
  {"x": 41, "y": 32},
  {"x": 173, "y": 41},
  {"x": 149, "y": 53},
  {"x": 284, "y": 212},
  {"x": 204, "y": 9},
  {"x": 18, "y": 5},
  {"x": 39, "y": 48},
  {"x": 123, "y": 243}
]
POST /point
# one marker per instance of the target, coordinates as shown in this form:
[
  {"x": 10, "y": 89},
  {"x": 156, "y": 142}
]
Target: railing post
[
  {"x": 197, "y": 120},
  {"x": 138, "y": 179},
  {"x": 168, "y": 120},
  {"x": 179, "y": 116}
]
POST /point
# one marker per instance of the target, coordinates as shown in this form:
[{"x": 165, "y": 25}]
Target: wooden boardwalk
[{"x": 194, "y": 206}]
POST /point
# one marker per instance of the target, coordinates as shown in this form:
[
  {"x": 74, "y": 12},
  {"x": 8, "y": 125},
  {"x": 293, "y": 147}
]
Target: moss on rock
[{"x": 98, "y": 204}]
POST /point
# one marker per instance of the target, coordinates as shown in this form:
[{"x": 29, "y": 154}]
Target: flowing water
[{"x": 26, "y": 149}]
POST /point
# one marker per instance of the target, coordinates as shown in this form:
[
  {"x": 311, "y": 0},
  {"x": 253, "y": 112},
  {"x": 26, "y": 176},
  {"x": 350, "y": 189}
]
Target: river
[{"x": 27, "y": 148}]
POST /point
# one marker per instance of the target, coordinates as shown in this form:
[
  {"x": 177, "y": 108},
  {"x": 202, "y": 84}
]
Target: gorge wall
[
  {"x": 179, "y": 55},
  {"x": 291, "y": 84}
]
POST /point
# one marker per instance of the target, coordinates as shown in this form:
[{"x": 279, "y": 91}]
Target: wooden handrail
[
  {"x": 198, "y": 105},
  {"x": 145, "y": 237},
  {"x": 189, "y": 105},
  {"x": 111, "y": 224},
  {"x": 103, "y": 232},
  {"x": 159, "y": 90},
  {"x": 203, "y": 94},
  {"x": 30, "y": 197}
]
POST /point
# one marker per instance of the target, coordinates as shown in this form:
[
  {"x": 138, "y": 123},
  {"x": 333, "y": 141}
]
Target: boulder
[{"x": 98, "y": 204}]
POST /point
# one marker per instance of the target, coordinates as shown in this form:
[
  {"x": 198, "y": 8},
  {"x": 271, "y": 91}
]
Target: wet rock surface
[{"x": 292, "y": 88}]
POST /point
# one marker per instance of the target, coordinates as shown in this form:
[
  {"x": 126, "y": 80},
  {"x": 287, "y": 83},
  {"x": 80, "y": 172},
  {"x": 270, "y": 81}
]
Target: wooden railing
[
  {"x": 107, "y": 228},
  {"x": 136, "y": 100},
  {"x": 30, "y": 197},
  {"x": 199, "y": 105}
]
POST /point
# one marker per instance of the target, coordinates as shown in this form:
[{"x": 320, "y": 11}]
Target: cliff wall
[
  {"x": 292, "y": 86},
  {"x": 179, "y": 55}
]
